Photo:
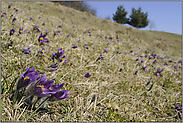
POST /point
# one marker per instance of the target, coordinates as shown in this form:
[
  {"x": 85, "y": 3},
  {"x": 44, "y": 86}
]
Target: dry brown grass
[{"x": 136, "y": 101}]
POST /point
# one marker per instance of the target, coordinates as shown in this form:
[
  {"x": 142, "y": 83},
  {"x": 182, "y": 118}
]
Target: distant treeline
[{"x": 78, "y": 5}]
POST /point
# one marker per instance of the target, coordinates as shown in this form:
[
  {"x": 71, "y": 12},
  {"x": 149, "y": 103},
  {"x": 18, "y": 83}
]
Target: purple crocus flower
[
  {"x": 59, "y": 53},
  {"x": 110, "y": 38},
  {"x": 63, "y": 58},
  {"x": 9, "y": 6},
  {"x": 137, "y": 59},
  {"x": 105, "y": 50},
  {"x": 69, "y": 35},
  {"x": 154, "y": 61},
  {"x": 43, "y": 39},
  {"x": 12, "y": 31},
  {"x": 145, "y": 55},
  {"x": 21, "y": 31},
  {"x": 86, "y": 46},
  {"x": 60, "y": 95},
  {"x": 176, "y": 106},
  {"x": 165, "y": 63},
  {"x": 142, "y": 61},
  {"x": 53, "y": 66},
  {"x": 175, "y": 68},
  {"x": 26, "y": 78},
  {"x": 11, "y": 15},
  {"x": 3, "y": 14},
  {"x": 30, "y": 18},
  {"x": 180, "y": 61},
  {"x": 79, "y": 41},
  {"x": 158, "y": 73},
  {"x": 145, "y": 68},
  {"x": 74, "y": 47},
  {"x": 42, "y": 88},
  {"x": 136, "y": 72},
  {"x": 131, "y": 51},
  {"x": 36, "y": 28},
  {"x": 14, "y": 19},
  {"x": 26, "y": 50},
  {"x": 87, "y": 75},
  {"x": 100, "y": 57},
  {"x": 41, "y": 52},
  {"x": 60, "y": 26}
]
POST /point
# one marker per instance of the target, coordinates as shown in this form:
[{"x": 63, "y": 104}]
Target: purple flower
[
  {"x": 175, "y": 68},
  {"x": 36, "y": 28},
  {"x": 69, "y": 35},
  {"x": 26, "y": 78},
  {"x": 79, "y": 41},
  {"x": 3, "y": 14},
  {"x": 86, "y": 46},
  {"x": 12, "y": 31},
  {"x": 145, "y": 68},
  {"x": 14, "y": 19},
  {"x": 11, "y": 15},
  {"x": 165, "y": 63},
  {"x": 131, "y": 51},
  {"x": 60, "y": 95},
  {"x": 154, "y": 61},
  {"x": 100, "y": 57},
  {"x": 42, "y": 88},
  {"x": 136, "y": 72},
  {"x": 53, "y": 66},
  {"x": 87, "y": 75},
  {"x": 60, "y": 26},
  {"x": 43, "y": 24},
  {"x": 59, "y": 53},
  {"x": 158, "y": 73},
  {"x": 145, "y": 55},
  {"x": 105, "y": 50},
  {"x": 136, "y": 59},
  {"x": 142, "y": 61},
  {"x": 43, "y": 39},
  {"x": 26, "y": 50},
  {"x": 110, "y": 38},
  {"x": 21, "y": 31},
  {"x": 180, "y": 61},
  {"x": 176, "y": 106},
  {"x": 74, "y": 47},
  {"x": 9, "y": 6},
  {"x": 63, "y": 58},
  {"x": 41, "y": 51},
  {"x": 30, "y": 18}
]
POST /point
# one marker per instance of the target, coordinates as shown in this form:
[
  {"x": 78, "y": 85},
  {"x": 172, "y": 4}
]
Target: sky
[{"x": 166, "y": 15}]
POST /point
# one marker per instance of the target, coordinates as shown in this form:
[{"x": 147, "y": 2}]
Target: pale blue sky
[{"x": 167, "y": 15}]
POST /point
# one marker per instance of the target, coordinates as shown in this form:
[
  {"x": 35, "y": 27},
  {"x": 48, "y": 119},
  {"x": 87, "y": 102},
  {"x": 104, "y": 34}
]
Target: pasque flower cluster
[{"x": 35, "y": 85}]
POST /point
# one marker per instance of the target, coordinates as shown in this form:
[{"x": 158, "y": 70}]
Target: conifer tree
[
  {"x": 120, "y": 15},
  {"x": 138, "y": 18}
]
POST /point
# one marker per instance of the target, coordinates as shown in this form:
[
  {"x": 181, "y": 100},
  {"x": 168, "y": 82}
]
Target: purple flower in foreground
[
  {"x": 26, "y": 78},
  {"x": 43, "y": 39},
  {"x": 26, "y": 50},
  {"x": 60, "y": 95},
  {"x": 175, "y": 68},
  {"x": 53, "y": 66},
  {"x": 21, "y": 31},
  {"x": 42, "y": 88},
  {"x": 59, "y": 53},
  {"x": 154, "y": 61},
  {"x": 176, "y": 106},
  {"x": 14, "y": 19},
  {"x": 105, "y": 50},
  {"x": 35, "y": 28},
  {"x": 158, "y": 73},
  {"x": 3, "y": 14},
  {"x": 9, "y": 6},
  {"x": 41, "y": 52},
  {"x": 136, "y": 72},
  {"x": 12, "y": 31},
  {"x": 74, "y": 47},
  {"x": 100, "y": 57},
  {"x": 87, "y": 75},
  {"x": 86, "y": 46}
]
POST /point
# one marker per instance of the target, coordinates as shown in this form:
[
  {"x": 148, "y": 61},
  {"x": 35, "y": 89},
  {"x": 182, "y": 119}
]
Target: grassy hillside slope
[{"x": 115, "y": 56}]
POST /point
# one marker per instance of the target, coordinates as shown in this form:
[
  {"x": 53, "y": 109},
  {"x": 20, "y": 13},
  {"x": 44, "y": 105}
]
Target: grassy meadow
[{"x": 124, "y": 85}]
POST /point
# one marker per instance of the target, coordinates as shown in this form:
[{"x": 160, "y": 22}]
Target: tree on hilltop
[
  {"x": 120, "y": 15},
  {"x": 138, "y": 18}
]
